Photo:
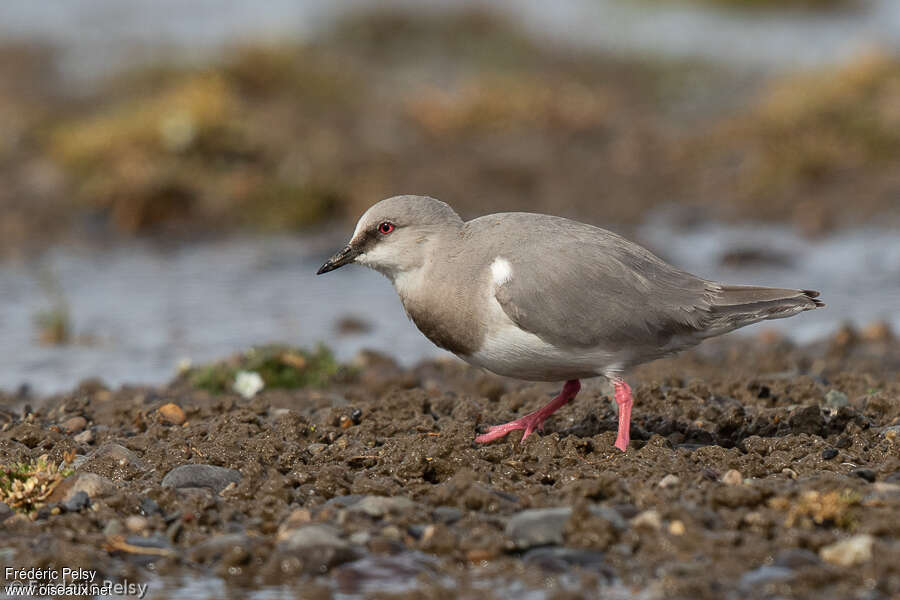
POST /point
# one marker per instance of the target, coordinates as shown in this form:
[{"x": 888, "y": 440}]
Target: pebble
[
  {"x": 95, "y": 486},
  {"x": 112, "y": 528},
  {"x": 5, "y": 511},
  {"x": 361, "y": 538},
  {"x": 867, "y": 474},
  {"x": 76, "y": 462},
  {"x": 766, "y": 574},
  {"x": 789, "y": 473},
  {"x": 201, "y": 476},
  {"x": 379, "y": 506},
  {"x": 892, "y": 433},
  {"x": 119, "y": 453},
  {"x": 74, "y": 425},
  {"x": 797, "y": 558},
  {"x": 172, "y": 413},
  {"x": 136, "y": 523},
  {"x": 677, "y": 528},
  {"x": 732, "y": 477},
  {"x": 149, "y": 507},
  {"x": 297, "y": 518},
  {"x": 313, "y": 536},
  {"x": 829, "y": 453},
  {"x": 544, "y": 526},
  {"x": 78, "y": 501},
  {"x": 669, "y": 481},
  {"x": 855, "y": 550},
  {"x": 836, "y": 399},
  {"x": 315, "y": 448},
  {"x": 85, "y": 437},
  {"x": 649, "y": 519},
  {"x": 447, "y": 514}
]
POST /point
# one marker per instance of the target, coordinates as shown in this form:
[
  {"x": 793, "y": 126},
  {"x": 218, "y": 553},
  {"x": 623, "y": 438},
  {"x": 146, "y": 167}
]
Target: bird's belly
[{"x": 512, "y": 352}]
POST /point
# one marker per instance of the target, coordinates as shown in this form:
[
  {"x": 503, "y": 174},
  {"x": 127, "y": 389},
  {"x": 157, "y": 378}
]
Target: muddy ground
[{"x": 756, "y": 469}]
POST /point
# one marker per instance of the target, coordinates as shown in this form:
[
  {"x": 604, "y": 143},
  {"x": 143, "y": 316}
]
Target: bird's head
[{"x": 394, "y": 235}]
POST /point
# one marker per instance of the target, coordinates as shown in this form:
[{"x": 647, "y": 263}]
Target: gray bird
[{"x": 544, "y": 298}]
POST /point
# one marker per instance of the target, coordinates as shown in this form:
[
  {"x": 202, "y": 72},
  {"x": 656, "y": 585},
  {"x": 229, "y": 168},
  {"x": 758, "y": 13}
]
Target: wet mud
[{"x": 756, "y": 469}]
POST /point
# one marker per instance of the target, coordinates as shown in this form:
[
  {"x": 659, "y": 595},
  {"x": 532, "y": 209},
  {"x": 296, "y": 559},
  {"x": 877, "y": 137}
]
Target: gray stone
[
  {"x": 447, "y": 514},
  {"x": 379, "y": 506},
  {"x": 149, "y": 507},
  {"x": 544, "y": 526},
  {"x": 201, "y": 476},
  {"x": 344, "y": 501},
  {"x": 836, "y": 399},
  {"x": 95, "y": 486},
  {"x": 315, "y": 448},
  {"x": 797, "y": 558},
  {"x": 112, "y": 528},
  {"x": 762, "y": 576},
  {"x": 538, "y": 526},
  {"x": 78, "y": 501},
  {"x": 313, "y": 536},
  {"x": 5, "y": 511},
  {"x": 76, "y": 462},
  {"x": 118, "y": 453}
]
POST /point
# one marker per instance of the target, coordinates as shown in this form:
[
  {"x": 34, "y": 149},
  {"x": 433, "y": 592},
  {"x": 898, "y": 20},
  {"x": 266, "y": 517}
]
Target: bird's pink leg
[
  {"x": 533, "y": 421},
  {"x": 624, "y": 400}
]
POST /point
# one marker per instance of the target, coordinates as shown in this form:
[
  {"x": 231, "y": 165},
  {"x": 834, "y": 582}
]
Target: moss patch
[
  {"x": 26, "y": 486},
  {"x": 279, "y": 366}
]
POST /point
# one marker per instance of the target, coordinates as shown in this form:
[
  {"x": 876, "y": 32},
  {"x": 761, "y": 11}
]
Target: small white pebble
[
  {"x": 136, "y": 523},
  {"x": 669, "y": 480},
  {"x": 648, "y": 519},
  {"x": 733, "y": 477},
  {"x": 854, "y": 550},
  {"x": 248, "y": 383},
  {"x": 677, "y": 528}
]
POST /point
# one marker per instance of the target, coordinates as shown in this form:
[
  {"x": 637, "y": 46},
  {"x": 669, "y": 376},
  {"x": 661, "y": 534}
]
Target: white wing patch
[{"x": 501, "y": 271}]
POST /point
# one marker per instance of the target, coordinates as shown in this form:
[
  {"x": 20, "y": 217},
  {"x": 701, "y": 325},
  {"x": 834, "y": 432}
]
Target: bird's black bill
[{"x": 345, "y": 256}]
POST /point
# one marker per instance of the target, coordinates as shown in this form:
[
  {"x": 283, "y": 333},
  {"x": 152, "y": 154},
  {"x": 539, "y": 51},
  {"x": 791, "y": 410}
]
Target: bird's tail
[{"x": 734, "y": 306}]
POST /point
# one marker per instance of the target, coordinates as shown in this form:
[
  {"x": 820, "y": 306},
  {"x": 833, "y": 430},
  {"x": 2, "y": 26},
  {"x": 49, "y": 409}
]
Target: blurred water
[
  {"x": 148, "y": 308},
  {"x": 100, "y": 35}
]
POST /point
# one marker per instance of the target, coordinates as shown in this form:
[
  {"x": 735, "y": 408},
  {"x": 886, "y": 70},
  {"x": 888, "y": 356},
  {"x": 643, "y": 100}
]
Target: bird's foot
[
  {"x": 532, "y": 421},
  {"x": 625, "y": 401}
]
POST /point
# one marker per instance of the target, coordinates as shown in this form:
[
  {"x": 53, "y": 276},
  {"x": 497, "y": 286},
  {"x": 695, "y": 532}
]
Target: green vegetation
[
  {"x": 26, "y": 486},
  {"x": 279, "y": 367}
]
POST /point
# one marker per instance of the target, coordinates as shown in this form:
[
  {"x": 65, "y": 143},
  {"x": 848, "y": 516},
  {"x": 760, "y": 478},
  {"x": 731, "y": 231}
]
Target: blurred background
[{"x": 173, "y": 173}]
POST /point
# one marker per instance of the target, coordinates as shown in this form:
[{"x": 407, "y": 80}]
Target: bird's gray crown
[{"x": 406, "y": 211}]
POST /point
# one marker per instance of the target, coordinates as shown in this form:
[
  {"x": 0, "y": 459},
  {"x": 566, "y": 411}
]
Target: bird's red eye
[{"x": 385, "y": 228}]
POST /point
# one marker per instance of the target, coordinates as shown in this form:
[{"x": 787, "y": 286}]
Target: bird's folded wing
[{"x": 602, "y": 291}]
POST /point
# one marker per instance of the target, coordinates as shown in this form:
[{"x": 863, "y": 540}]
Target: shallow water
[
  {"x": 100, "y": 35},
  {"x": 138, "y": 310}
]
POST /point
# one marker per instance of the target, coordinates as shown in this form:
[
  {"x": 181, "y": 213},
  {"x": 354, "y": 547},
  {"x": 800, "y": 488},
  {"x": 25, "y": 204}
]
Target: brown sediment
[{"x": 748, "y": 458}]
